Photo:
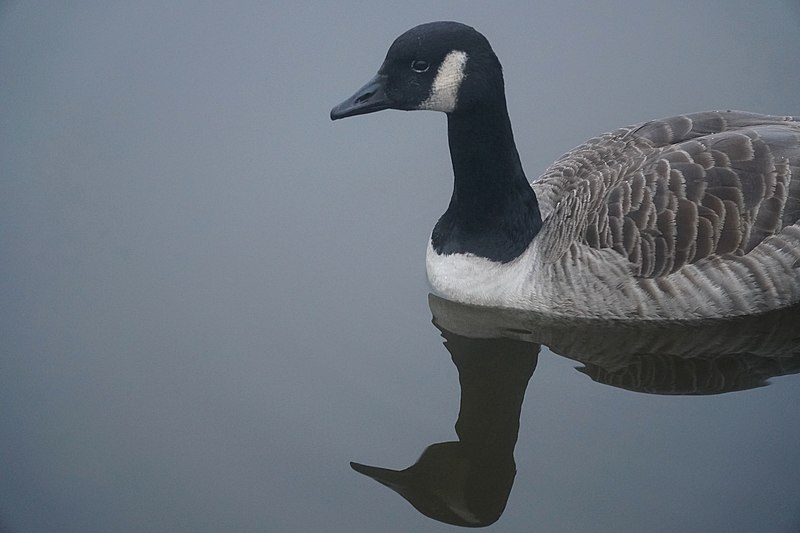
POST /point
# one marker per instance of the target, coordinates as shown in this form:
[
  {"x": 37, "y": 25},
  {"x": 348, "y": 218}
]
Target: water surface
[{"x": 214, "y": 298}]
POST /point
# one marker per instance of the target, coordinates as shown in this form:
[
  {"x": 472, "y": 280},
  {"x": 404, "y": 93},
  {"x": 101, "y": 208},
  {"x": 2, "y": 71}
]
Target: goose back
[{"x": 713, "y": 191}]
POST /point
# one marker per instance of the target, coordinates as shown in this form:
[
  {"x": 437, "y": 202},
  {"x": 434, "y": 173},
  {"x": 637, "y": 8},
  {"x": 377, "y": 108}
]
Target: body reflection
[{"x": 467, "y": 483}]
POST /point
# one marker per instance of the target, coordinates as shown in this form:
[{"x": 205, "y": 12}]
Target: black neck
[{"x": 493, "y": 212}]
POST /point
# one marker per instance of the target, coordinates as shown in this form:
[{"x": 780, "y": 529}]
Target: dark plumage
[{"x": 690, "y": 216}]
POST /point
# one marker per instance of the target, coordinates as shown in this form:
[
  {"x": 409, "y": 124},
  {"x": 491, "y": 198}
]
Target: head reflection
[{"x": 468, "y": 482}]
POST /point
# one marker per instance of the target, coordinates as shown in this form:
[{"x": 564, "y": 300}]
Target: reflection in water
[
  {"x": 467, "y": 483},
  {"x": 701, "y": 357}
]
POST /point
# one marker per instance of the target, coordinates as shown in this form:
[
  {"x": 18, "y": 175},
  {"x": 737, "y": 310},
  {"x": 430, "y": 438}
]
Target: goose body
[{"x": 687, "y": 217}]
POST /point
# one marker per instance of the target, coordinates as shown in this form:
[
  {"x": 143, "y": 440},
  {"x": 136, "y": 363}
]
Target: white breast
[
  {"x": 592, "y": 283},
  {"x": 475, "y": 280}
]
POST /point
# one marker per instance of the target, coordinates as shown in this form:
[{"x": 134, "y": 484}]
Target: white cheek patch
[{"x": 444, "y": 92}]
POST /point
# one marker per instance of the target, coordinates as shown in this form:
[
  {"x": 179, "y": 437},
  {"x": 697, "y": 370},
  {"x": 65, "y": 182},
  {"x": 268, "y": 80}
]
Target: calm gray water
[{"x": 214, "y": 298}]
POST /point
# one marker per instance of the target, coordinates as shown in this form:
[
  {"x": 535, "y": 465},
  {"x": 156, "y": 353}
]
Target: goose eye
[{"x": 419, "y": 65}]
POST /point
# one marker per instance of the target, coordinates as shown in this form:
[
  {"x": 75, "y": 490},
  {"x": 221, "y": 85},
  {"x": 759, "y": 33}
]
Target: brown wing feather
[{"x": 674, "y": 191}]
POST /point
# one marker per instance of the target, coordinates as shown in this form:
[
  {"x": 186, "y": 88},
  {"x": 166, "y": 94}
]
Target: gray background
[{"x": 213, "y": 298}]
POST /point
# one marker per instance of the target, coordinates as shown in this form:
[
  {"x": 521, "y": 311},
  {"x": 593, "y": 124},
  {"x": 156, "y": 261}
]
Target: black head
[{"x": 440, "y": 66}]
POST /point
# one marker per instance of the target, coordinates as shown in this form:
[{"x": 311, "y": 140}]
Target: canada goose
[{"x": 691, "y": 216}]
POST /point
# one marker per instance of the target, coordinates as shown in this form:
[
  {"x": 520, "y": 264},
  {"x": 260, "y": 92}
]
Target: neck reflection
[{"x": 467, "y": 482}]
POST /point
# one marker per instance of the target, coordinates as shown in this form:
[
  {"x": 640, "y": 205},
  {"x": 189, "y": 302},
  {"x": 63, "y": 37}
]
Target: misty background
[{"x": 214, "y": 298}]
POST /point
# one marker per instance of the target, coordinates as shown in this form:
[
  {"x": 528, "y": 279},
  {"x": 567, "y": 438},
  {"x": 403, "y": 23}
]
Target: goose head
[{"x": 438, "y": 66}]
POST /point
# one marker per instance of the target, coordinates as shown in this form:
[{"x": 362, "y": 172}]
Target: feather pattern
[{"x": 691, "y": 216}]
